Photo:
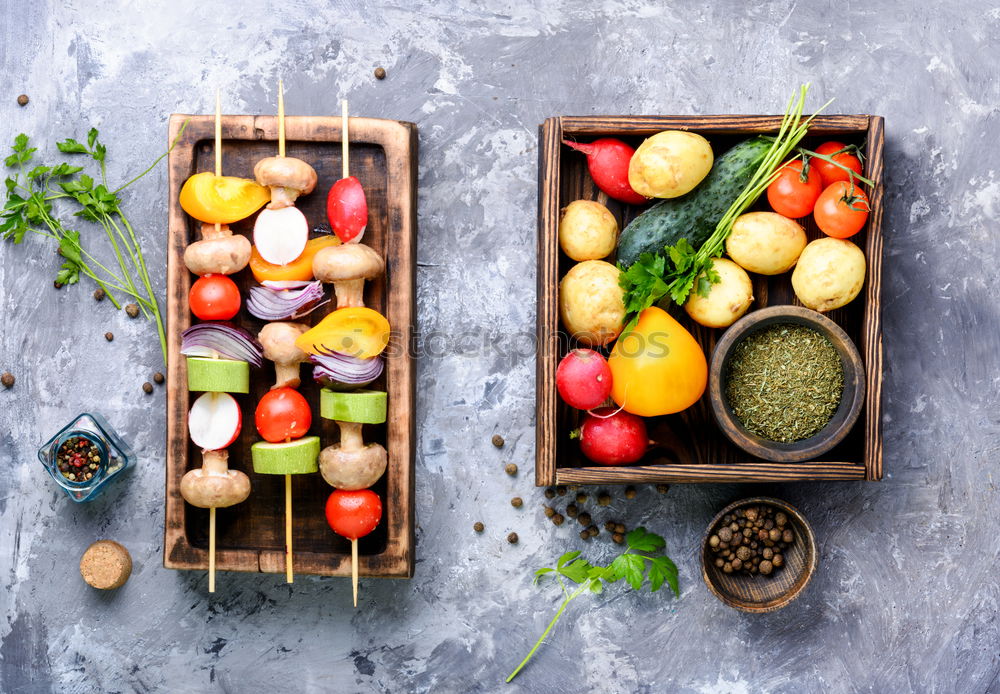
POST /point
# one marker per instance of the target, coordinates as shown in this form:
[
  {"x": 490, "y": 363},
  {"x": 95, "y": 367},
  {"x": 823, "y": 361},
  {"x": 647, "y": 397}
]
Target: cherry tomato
[
  {"x": 353, "y": 514},
  {"x": 791, "y": 196},
  {"x": 282, "y": 414},
  {"x": 221, "y": 199},
  {"x": 831, "y": 173},
  {"x": 214, "y": 297},
  {"x": 841, "y": 210}
]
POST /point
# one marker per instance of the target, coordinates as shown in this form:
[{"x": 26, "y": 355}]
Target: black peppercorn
[
  {"x": 618, "y": 538},
  {"x": 132, "y": 310},
  {"x": 109, "y": 336},
  {"x": 630, "y": 492},
  {"x": 147, "y": 387},
  {"x": 594, "y": 532},
  {"x": 550, "y": 493},
  {"x": 549, "y": 511},
  {"x": 572, "y": 511},
  {"x": 620, "y": 528},
  {"x": 561, "y": 490},
  {"x": 663, "y": 488},
  {"x": 510, "y": 469},
  {"x": 22, "y": 100},
  {"x": 478, "y": 527},
  {"x": 380, "y": 73},
  {"x": 158, "y": 378},
  {"x": 512, "y": 538},
  {"x": 517, "y": 502},
  {"x": 558, "y": 519},
  {"x": 57, "y": 284},
  {"x": 581, "y": 498},
  {"x": 584, "y": 519},
  {"x": 7, "y": 379},
  {"x": 98, "y": 294},
  {"x": 603, "y": 499},
  {"x": 584, "y": 534},
  {"x": 497, "y": 440}
]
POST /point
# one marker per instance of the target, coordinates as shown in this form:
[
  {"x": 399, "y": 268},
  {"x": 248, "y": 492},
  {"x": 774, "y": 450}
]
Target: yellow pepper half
[
  {"x": 300, "y": 269},
  {"x": 357, "y": 332},
  {"x": 222, "y": 199}
]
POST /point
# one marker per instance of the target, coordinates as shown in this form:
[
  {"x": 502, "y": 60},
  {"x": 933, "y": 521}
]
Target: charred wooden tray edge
[
  {"x": 547, "y": 472},
  {"x": 399, "y": 141}
]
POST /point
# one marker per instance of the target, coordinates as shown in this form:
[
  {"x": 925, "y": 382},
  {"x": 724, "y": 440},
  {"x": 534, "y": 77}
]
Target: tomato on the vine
[
  {"x": 840, "y": 153},
  {"x": 214, "y": 297},
  {"x": 353, "y": 514},
  {"x": 282, "y": 414},
  {"x": 842, "y": 210},
  {"x": 793, "y": 194}
]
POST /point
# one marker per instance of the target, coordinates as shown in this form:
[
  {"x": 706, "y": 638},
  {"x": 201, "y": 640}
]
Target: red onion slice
[
  {"x": 223, "y": 339},
  {"x": 344, "y": 372},
  {"x": 269, "y": 303}
]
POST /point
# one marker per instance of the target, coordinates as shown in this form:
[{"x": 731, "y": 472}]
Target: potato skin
[
  {"x": 765, "y": 242},
  {"x": 591, "y": 303},
  {"x": 829, "y": 274},
  {"x": 587, "y": 230},
  {"x": 727, "y": 300},
  {"x": 670, "y": 164}
]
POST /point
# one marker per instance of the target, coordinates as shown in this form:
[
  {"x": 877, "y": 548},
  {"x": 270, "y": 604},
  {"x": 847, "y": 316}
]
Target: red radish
[
  {"x": 612, "y": 437},
  {"x": 214, "y": 421},
  {"x": 347, "y": 209},
  {"x": 583, "y": 379},
  {"x": 607, "y": 161},
  {"x": 353, "y": 514},
  {"x": 280, "y": 235}
]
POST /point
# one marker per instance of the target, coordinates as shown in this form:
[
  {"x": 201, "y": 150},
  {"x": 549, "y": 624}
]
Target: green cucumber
[{"x": 695, "y": 215}]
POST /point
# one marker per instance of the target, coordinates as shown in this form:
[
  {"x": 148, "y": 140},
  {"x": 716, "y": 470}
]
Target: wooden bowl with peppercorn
[
  {"x": 758, "y": 554},
  {"x": 786, "y": 384}
]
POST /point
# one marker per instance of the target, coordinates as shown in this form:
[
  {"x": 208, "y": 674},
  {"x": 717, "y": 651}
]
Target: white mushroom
[
  {"x": 287, "y": 177},
  {"x": 351, "y": 464},
  {"x": 347, "y": 266},
  {"x": 218, "y": 253},
  {"x": 278, "y": 341},
  {"x": 214, "y": 485}
]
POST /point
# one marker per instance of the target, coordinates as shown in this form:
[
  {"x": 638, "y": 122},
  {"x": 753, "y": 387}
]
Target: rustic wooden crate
[
  {"x": 693, "y": 448},
  {"x": 250, "y": 535}
]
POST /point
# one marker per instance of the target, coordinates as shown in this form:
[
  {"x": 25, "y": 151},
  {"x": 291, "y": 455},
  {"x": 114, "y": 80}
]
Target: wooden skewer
[
  {"x": 289, "y": 575},
  {"x": 281, "y": 118},
  {"x": 344, "y": 138},
  {"x": 218, "y": 141},
  {"x": 354, "y": 569},
  {"x": 211, "y": 550}
]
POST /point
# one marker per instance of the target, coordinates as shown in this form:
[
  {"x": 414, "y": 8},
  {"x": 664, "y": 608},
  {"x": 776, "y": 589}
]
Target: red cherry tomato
[
  {"x": 282, "y": 414},
  {"x": 214, "y": 297},
  {"x": 790, "y": 195},
  {"x": 841, "y": 210},
  {"x": 831, "y": 173},
  {"x": 353, "y": 514}
]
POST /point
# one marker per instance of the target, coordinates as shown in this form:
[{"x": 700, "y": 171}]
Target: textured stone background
[{"x": 906, "y": 596}]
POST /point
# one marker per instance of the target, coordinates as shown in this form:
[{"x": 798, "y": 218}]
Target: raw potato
[
  {"x": 670, "y": 164},
  {"x": 765, "y": 242},
  {"x": 829, "y": 274},
  {"x": 591, "y": 302},
  {"x": 727, "y": 300},
  {"x": 587, "y": 230}
]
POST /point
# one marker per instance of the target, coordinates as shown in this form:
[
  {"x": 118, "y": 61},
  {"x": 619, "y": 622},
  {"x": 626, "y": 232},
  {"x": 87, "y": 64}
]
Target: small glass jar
[{"x": 115, "y": 455}]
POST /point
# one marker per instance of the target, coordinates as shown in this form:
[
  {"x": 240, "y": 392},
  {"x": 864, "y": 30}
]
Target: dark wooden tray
[
  {"x": 694, "y": 449},
  {"x": 250, "y": 536}
]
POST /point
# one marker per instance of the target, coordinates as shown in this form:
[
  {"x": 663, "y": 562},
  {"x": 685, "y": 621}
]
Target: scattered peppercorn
[
  {"x": 572, "y": 511},
  {"x": 147, "y": 387},
  {"x": 618, "y": 538},
  {"x": 603, "y": 499},
  {"x": 380, "y": 73},
  {"x": 109, "y": 336},
  {"x": 516, "y": 502},
  {"x": 630, "y": 492},
  {"x": 550, "y": 493},
  {"x": 663, "y": 488},
  {"x": 620, "y": 528},
  {"x": 549, "y": 512},
  {"x": 558, "y": 519},
  {"x": 7, "y": 379},
  {"x": 132, "y": 310},
  {"x": 561, "y": 490},
  {"x": 22, "y": 100},
  {"x": 750, "y": 540},
  {"x": 593, "y": 530},
  {"x": 478, "y": 527},
  {"x": 581, "y": 498},
  {"x": 57, "y": 284},
  {"x": 584, "y": 534},
  {"x": 510, "y": 469},
  {"x": 158, "y": 378},
  {"x": 98, "y": 294},
  {"x": 512, "y": 538},
  {"x": 584, "y": 519},
  {"x": 609, "y": 526},
  {"x": 497, "y": 440}
]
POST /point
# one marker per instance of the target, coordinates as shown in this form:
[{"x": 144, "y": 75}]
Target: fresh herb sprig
[
  {"x": 29, "y": 206},
  {"x": 652, "y": 277},
  {"x": 640, "y": 564}
]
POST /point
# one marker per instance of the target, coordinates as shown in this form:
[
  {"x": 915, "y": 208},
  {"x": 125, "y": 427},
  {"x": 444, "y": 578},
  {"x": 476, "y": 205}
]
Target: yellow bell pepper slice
[
  {"x": 222, "y": 199},
  {"x": 357, "y": 332}
]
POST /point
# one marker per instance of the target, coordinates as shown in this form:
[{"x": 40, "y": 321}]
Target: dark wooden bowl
[
  {"x": 850, "y": 402},
  {"x": 758, "y": 593}
]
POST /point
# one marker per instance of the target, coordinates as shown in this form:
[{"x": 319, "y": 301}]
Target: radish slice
[
  {"x": 214, "y": 421},
  {"x": 347, "y": 210},
  {"x": 280, "y": 235}
]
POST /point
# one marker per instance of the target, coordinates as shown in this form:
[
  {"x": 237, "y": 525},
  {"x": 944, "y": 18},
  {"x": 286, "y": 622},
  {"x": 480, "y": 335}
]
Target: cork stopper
[{"x": 106, "y": 565}]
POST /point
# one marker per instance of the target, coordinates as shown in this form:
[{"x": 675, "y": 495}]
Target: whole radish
[
  {"x": 607, "y": 160},
  {"x": 583, "y": 379},
  {"x": 611, "y": 437}
]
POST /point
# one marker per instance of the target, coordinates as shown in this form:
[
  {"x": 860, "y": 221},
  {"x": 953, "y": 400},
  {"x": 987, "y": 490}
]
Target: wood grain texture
[
  {"x": 250, "y": 535},
  {"x": 758, "y": 593},
  {"x": 690, "y": 446}
]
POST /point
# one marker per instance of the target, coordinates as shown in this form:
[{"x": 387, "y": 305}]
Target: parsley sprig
[
  {"x": 30, "y": 205},
  {"x": 640, "y": 564},
  {"x": 681, "y": 268}
]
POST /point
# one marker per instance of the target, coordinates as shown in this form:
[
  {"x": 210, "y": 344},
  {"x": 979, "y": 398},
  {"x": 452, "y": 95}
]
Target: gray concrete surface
[{"x": 906, "y": 596}]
